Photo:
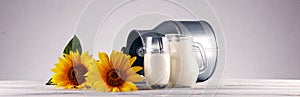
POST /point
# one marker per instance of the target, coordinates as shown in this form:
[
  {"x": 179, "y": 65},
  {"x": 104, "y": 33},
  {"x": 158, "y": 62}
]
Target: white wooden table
[{"x": 226, "y": 88}]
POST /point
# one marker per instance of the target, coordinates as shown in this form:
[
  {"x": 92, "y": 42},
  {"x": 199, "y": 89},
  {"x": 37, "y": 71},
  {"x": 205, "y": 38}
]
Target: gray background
[{"x": 262, "y": 37}]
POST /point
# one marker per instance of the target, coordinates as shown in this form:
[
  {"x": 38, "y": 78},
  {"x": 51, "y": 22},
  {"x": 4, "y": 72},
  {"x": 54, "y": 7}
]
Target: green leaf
[
  {"x": 50, "y": 82},
  {"x": 73, "y": 45}
]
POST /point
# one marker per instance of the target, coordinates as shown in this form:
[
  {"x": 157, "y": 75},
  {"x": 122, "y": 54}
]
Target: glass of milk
[
  {"x": 184, "y": 66},
  {"x": 157, "y": 62}
]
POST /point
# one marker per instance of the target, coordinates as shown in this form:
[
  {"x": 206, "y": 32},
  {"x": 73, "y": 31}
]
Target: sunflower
[
  {"x": 114, "y": 74},
  {"x": 70, "y": 70}
]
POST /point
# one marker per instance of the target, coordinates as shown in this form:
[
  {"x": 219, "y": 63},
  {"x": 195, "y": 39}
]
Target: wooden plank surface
[{"x": 226, "y": 88}]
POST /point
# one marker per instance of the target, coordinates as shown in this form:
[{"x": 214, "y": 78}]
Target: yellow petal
[
  {"x": 106, "y": 89},
  {"x": 112, "y": 57},
  {"x": 134, "y": 78},
  {"x": 87, "y": 60},
  {"x": 57, "y": 70},
  {"x": 136, "y": 68},
  {"x": 103, "y": 58},
  {"x": 59, "y": 77},
  {"x": 123, "y": 59},
  {"x": 132, "y": 60},
  {"x": 83, "y": 56},
  {"x": 68, "y": 56},
  {"x": 101, "y": 67},
  {"x": 130, "y": 86},
  {"x": 125, "y": 64},
  {"x": 115, "y": 89},
  {"x": 99, "y": 86},
  {"x": 62, "y": 84},
  {"x": 130, "y": 72},
  {"x": 61, "y": 63},
  {"x": 117, "y": 62},
  {"x": 124, "y": 88},
  {"x": 75, "y": 57},
  {"x": 91, "y": 79}
]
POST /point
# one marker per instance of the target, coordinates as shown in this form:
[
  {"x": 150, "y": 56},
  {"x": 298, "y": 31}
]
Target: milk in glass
[{"x": 157, "y": 69}]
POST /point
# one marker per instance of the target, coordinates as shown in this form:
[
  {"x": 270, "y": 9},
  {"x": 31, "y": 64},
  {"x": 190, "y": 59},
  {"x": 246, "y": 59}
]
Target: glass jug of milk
[{"x": 184, "y": 67}]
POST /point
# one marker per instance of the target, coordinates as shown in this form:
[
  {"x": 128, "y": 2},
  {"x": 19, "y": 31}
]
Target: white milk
[
  {"x": 157, "y": 68},
  {"x": 184, "y": 67}
]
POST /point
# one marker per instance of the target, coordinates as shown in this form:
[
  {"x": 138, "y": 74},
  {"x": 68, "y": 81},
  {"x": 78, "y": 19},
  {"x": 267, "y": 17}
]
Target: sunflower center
[
  {"x": 76, "y": 74},
  {"x": 114, "y": 77}
]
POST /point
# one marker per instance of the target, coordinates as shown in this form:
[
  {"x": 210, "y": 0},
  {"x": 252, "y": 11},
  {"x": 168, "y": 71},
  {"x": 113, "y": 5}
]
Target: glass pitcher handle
[{"x": 203, "y": 66}]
